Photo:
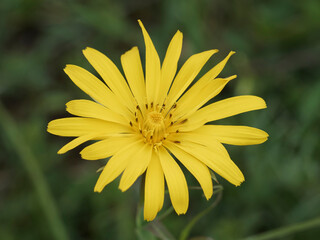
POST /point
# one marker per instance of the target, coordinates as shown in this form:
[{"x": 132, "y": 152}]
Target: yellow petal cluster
[{"x": 149, "y": 119}]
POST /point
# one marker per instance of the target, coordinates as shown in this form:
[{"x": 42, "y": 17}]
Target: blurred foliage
[{"x": 278, "y": 55}]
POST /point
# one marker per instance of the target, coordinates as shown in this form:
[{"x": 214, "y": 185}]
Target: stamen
[
  {"x": 184, "y": 121},
  {"x": 174, "y": 105}
]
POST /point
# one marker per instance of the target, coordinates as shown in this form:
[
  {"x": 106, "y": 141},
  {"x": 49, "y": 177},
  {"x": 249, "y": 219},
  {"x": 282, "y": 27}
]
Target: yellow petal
[
  {"x": 78, "y": 126},
  {"x": 106, "y": 148},
  {"x": 87, "y": 108},
  {"x": 116, "y": 165},
  {"x": 154, "y": 189},
  {"x": 197, "y": 168},
  {"x": 152, "y": 67},
  {"x": 111, "y": 75},
  {"x": 202, "y": 139},
  {"x": 213, "y": 73},
  {"x": 187, "y": 73},
  {"x": 169, "y": 66},
  {"x": 91, "y": 85},
  {"x": 222, "y": 165},
  {"x": 137, "y": 166},
  {"x": 195, "y": 98},
  {"x": 223, "y": 109},
  {"x": 177, "y": 185},
  {"x": 76, "y": 142},
  {"x": 131, "y": 64},
  {"x": 234, "y": 135}
]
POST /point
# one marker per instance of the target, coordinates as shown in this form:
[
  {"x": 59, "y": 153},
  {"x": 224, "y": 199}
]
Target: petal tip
[
  {"x": 208, "y": 196},
  {"x": 61, "y": 151},
  {"x": 97, "y": 189},
  {"x": 87, "y": 49},
  {"x": 140, "y": 23},
  {"x": 122, "y": 188},
  {"x": 69, "y": 67},
  {"x": 213, "y": 51}
]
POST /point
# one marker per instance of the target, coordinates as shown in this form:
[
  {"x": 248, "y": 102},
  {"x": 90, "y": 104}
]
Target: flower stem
[
  {"x": 186, "y": 231},
  {"x": 285, "y": 231},
  {"x": 34, "y": 171}
]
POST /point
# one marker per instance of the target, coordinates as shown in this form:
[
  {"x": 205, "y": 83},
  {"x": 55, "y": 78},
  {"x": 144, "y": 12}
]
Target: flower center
[
  {"x": 154, "y": 127},
  {"x": 155, "y": 123}
]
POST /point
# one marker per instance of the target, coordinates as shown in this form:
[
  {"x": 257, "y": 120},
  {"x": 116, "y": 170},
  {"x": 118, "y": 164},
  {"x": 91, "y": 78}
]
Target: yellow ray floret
[{"x": 148, "y": 120}]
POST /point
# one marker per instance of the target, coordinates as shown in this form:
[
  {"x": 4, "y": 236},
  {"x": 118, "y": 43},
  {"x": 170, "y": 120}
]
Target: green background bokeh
[{"x": 278, "y": 56}]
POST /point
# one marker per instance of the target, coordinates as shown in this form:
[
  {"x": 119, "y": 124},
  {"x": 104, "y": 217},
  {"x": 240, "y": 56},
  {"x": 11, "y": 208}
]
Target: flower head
[{"x": 145, "y": 123}]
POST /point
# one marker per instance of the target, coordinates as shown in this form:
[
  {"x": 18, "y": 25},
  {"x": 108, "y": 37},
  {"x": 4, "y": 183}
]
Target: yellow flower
[{"x": 145, "y": 124}]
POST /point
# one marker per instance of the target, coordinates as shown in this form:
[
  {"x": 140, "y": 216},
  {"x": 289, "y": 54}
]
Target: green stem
[
  {"x": 10, "y": 129},
  {"x": 165, "y": 214},
  {"x": 186, "y": 231},
  {"x": 285, "y": 231}
]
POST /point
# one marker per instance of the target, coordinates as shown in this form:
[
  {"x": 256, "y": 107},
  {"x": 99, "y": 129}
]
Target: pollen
[
  {"x": 154, "y": 128},
  {"x": 155, "y": 118}
]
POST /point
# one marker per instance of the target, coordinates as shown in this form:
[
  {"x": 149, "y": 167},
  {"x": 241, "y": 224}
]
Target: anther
[
  {"x": 131, "y": 124},
  {"x": 177, "y": 142},
  {"x": 151, "y": 105},
  {"x": 171, "y": 123},
  {"x": 177, "y": 131},
  {"x": 147, "y": 106},
  {"x": 184, "y": 121}
]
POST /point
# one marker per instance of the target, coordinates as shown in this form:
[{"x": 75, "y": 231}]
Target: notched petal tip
[
  {"x": 135, "y": 48},
  {"x": 182, "y": 212},
  {"x": 49, "y": 126},
  {"x": 97, "y": 189},
  {"x": 240, "y": 182},
  {"x": 87, "y": 49},
  {"x": 85, "y": 156},
  {"x": 208, "y": 197},
  {"x": 238, "y": 185},
  {"x": 122, "y": 188},
  {"x": 70, "y": 67},
  {"x": 148, "y": 219}
]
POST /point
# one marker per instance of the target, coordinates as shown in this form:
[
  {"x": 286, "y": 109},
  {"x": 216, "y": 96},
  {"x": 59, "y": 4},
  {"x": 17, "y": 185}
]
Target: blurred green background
[{"x": 278, "y": 56}]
